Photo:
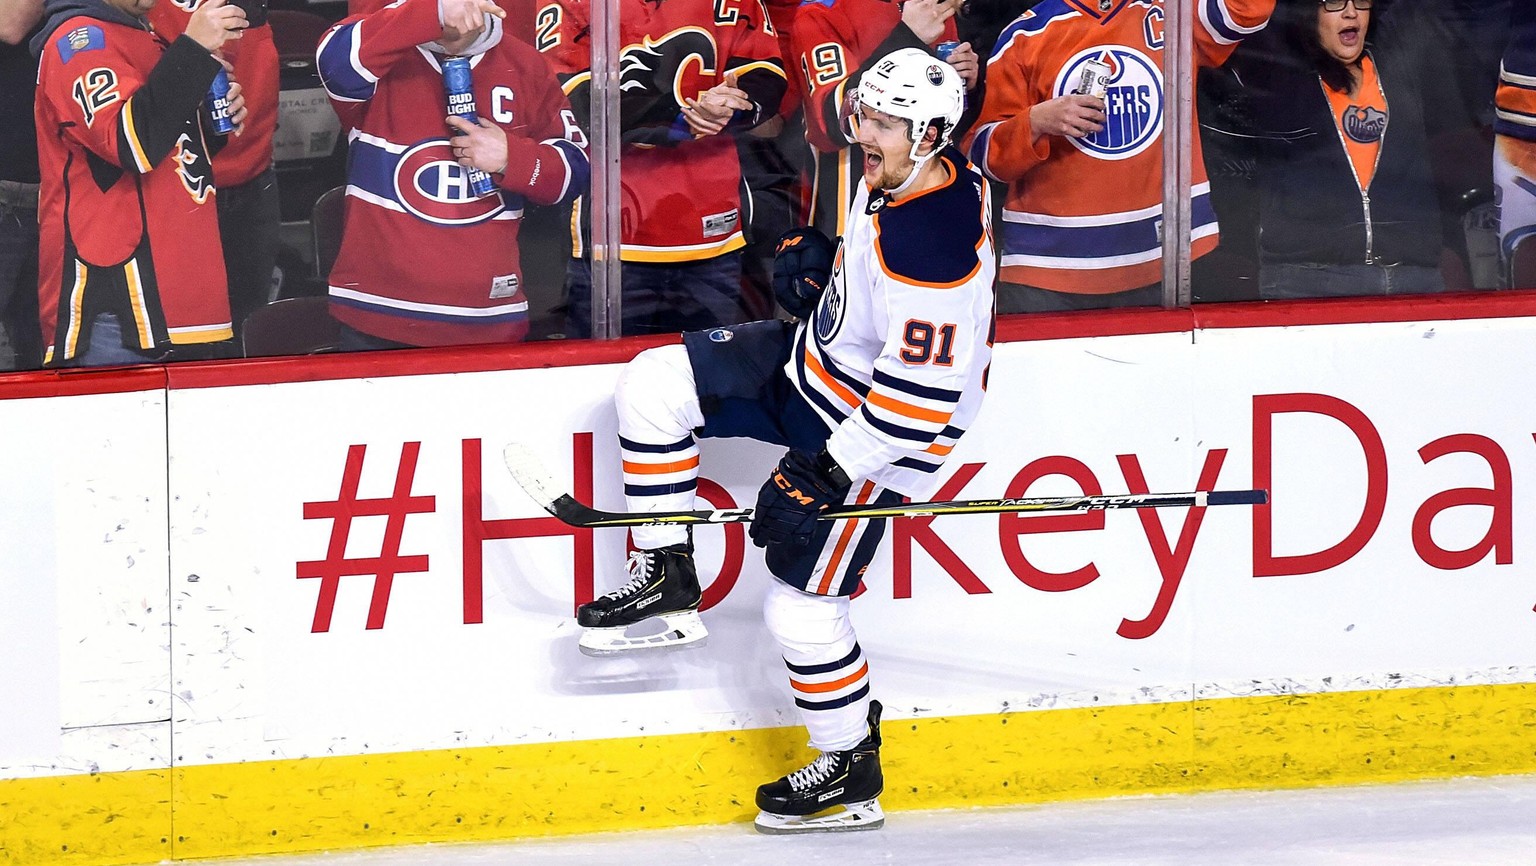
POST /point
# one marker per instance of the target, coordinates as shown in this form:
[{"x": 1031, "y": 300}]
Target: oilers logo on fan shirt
[
  {"x": 430, "y": 184},
  {"x": 1133, "y": 103}
]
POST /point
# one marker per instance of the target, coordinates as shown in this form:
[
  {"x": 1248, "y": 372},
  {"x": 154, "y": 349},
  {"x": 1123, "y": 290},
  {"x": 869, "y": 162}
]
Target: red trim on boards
[{"x": 558, "y": 353}]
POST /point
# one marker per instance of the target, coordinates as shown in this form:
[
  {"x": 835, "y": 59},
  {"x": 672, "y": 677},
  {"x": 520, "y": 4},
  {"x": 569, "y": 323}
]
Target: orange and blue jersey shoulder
[{"x": 895, "y": 356}]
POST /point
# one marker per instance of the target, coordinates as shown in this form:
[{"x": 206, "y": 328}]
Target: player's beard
[{"x": 888, "y": 171}]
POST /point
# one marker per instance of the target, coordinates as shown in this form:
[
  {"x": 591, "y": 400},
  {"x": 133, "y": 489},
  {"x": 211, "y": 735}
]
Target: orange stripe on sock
[
  {"x": 822, "y": 688},
  {"x": 661, "y": 468}
]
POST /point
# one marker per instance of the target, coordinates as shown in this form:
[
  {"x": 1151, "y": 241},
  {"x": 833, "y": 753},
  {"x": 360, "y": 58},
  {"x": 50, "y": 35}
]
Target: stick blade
[{"x": 528, "y": 471}]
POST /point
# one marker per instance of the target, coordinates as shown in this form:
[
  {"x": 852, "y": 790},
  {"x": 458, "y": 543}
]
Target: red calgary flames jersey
[
  {"x": 681, "y": 196},
  {"x": 254, "y": 58},
  {"x": 127, "y": 217}
]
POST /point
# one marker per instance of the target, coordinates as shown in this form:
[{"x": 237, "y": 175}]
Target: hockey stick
[{"x": 530, "y": 474}]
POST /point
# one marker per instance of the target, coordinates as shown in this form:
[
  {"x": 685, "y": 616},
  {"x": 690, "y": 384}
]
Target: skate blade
[
  {"x": 681, "y": 630},
  {"x": 854, "y": 816}
]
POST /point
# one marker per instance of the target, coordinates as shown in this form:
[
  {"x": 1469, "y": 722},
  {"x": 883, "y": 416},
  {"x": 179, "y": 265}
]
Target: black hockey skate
[
  {"x": 663, "y": 584},
  {"x": 850, "y": 780}
]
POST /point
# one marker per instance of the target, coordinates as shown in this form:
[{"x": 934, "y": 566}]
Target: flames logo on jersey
[
  {"x": 431, "y": 185},
  {"x": 680, "y": 64},
  {"x": 193, "y": 169},
  {"x": 1133, "y": 103}
]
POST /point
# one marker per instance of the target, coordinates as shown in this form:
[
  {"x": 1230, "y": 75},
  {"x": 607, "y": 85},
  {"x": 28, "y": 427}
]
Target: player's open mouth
[
  {"x": 1350, "y": 36},
  {"x": 872, "y": 161}
]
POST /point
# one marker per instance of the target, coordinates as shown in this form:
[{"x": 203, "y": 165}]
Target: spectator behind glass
[
  {"x": 694, "y": 75},
  {"x": 1346, "y": 196},
  {"x": 835, "y": 44},
  {"x": 129, "y": 236},
  {"x": 20, "y": 346},
  {"x": 248, "y": 203},
  {"x": 1082, "y": 220},
  {"x": 424, "y": 261},
  {"x": 1514, "y": 157}
]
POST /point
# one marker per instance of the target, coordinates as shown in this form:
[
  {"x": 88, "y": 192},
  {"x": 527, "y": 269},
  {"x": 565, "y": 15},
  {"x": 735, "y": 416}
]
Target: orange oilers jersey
[
  {"x": 1516, "y": 98},
  {"x": 254, "y": 57},
  {"x": 1085, "y": 215},
  {"x": 681, "y": 197},
  {"x": 831, "y": 40},
  {"x": 894, "y": 359},
  {"x": 128, "y": 221}
]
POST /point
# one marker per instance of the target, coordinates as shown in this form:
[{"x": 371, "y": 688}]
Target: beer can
[
  {"x": 1093, "y": 80},
  {"x": 218, "y": 104},
  {"x": 944, "y": 49},
  {"x": 460, "y": 91}
]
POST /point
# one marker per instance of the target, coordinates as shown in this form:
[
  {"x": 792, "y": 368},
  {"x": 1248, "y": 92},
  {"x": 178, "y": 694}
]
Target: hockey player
[
  {"x": 424, "y": 261},
  {"x": 126, "y": 182},
  {"x": 1082, "y": 221},
  {"x": 1514, "y": 155},
  {"x": 834, "y": 43},
  {"x": 869, "y": 393}
]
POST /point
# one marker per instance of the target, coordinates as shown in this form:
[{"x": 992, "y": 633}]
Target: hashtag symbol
[{"x": 389, "y": 562}]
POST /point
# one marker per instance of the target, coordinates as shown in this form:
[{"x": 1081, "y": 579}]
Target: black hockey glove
[
  {"x": 802, "y": 264},
  {"x": 800, "y": 487}
]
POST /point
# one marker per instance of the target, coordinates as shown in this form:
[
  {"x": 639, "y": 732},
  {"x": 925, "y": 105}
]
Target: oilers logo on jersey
[
  {"x": 1133, "y": 102},
  {"x": 431, "y": 185},
  {"x": 831, "y": 307}
]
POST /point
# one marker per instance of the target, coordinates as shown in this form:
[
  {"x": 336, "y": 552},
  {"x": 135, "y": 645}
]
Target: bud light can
[
  {"x": 461, "y": 103},
  {"x": 1093, "y": 80},
  {"x": 218, "y": 103},
  {"x": 944, "y": 49}
]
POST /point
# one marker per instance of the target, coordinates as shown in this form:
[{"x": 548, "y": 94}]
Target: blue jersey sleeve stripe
[
  {"x": 342, "y": 74},
  {"x": 1218, "y": 22},
  {"x": 579, "y": 170},
  {"x": 925, "y": 391},
  {"x": 897, "y": 431}
]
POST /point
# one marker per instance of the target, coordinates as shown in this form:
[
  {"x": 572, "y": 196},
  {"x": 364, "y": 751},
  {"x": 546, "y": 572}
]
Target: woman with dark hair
[{"x": 1346, "y": 195}]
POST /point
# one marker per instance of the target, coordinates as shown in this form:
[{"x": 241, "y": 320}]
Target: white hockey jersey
[{"x": 895, "y": 358}]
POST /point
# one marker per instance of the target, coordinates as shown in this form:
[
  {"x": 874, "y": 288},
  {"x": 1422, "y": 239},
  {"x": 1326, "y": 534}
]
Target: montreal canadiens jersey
[
  {"x": 1084, "y": 215},
  {"x": 1516, "y": 97},
  {"x": 254, "y": 57},
  {"x": 128, "y": 220},
  {"x": 894, "y": 359},
  {"x": 423, "y": 260},
  {"x": 681, "y": 197},
  {"x": 831, "y": 41}
]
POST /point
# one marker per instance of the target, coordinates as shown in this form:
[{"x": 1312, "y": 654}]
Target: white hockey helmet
[{"x": 914, "y": 85}]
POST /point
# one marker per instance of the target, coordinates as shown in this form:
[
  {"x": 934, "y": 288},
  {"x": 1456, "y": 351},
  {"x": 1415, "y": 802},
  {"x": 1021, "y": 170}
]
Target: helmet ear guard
[{"x": 916, "y": 86}]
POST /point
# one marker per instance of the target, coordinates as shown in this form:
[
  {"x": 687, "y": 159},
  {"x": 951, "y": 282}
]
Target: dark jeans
[
  {"x": 248, "y": 223},
  {"x": 1015, "y": 298},
  {"x": 663, "y": 298},
  {"x": 18, "y": 278},
  {"x": 1295, "y": 281}
]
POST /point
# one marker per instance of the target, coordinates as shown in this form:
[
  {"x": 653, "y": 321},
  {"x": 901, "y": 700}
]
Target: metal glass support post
[
  {"x": 607, "y": 314},
  {"x": 1178, "y": 149}
]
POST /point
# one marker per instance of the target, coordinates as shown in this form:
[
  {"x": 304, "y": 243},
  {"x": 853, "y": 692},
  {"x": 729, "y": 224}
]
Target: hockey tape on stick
[{"x": 530, "y": 474}]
